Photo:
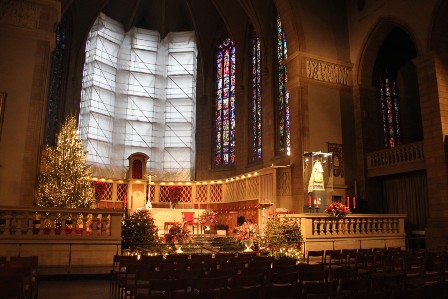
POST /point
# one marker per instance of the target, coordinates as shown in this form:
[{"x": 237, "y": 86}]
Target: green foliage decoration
[
  {"x": 139, "y": 232},
  {"x": 282, "y": 237}
]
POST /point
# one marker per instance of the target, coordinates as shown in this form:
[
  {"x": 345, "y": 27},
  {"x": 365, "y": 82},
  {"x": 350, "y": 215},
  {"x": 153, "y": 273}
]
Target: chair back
[{"x": 188, "y": 216}]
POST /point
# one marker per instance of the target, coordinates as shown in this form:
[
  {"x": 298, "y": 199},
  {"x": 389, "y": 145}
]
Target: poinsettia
[
  {"x": 337, "y": 210},
  {"x": 174, "y": 194},
  {"x": 178, "y": 233}
]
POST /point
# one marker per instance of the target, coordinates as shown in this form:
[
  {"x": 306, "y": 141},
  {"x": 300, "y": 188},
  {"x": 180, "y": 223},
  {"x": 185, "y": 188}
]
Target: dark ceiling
[{"x": 161, "y": 15}]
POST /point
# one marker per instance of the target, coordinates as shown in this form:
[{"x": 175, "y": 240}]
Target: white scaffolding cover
[{"x": 138, "y": 95}]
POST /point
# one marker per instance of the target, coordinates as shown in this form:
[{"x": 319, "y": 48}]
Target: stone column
[{"x": 434, "y": 109}]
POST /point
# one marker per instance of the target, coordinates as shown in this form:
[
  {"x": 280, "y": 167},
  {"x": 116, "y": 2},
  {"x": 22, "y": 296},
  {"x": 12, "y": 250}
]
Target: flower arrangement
[
  {"x": 174, "y": 195},
  {"x": 337, "y": 210},
  {"x": 208, "y": 217},
  {"x": 248, "y": 231},
  {"x": 178, "y": 233}
]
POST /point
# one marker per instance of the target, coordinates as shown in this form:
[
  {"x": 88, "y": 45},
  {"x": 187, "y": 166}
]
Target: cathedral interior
[{"x": 212, "y": 90}]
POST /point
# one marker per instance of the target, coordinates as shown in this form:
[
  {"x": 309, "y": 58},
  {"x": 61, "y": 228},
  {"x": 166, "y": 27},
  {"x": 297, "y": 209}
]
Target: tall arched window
[
  {"x": 390, "y": 108},
  {"x": 255, "y": 101},
  {"x": 282, "y": 104},
  {"x": 225, "y": 104}
]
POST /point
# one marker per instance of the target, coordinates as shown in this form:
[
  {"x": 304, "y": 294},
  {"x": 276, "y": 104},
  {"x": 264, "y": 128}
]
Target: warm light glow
[
  {"x": 219, "y": 182},
  {"x": 162, "y": 183},
  {"x": 188, "y": 183},
  {"x": 256, "y": 173},
  {"x": 103, "y": 180},
  {"x": 170, "y": 183}
]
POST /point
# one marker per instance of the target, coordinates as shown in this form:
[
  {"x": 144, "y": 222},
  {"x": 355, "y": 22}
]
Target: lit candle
[
  {"x": 354, "y": 202},
  {"x": 348, "y": 201},
  {"x": 309, "y": 201},
  {"x": 317, "y": 202}
]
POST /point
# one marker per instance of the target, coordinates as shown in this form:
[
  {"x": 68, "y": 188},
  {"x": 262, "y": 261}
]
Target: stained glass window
[
  {"x": 390, "y": 109},
  {"x": 255, "y": 100},
  {"x": 225, "y": 104},
  {"x": 282, "y": 107}
]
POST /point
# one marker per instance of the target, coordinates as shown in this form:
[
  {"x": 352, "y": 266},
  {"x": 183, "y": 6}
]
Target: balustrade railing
[
  {"x": 377, "y": 230},
  {"x": 65, "y": 240},
  {"x": 406, "y": 157},
  {"x": 57, "y": 223}
]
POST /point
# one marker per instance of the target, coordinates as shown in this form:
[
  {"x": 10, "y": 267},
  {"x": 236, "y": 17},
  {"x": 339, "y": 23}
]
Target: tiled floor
[{"x": 74, "y": 287}]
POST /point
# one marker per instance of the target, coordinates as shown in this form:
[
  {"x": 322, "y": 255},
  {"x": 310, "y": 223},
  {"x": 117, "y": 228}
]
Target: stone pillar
[{"x": 434, "y": 109}]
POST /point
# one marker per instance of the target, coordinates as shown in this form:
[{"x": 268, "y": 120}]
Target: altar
[{"x": 164, "y": 218}]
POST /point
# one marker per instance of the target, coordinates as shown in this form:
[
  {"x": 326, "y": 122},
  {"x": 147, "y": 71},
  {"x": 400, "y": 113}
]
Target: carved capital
[{"x": 20, "y": 13}]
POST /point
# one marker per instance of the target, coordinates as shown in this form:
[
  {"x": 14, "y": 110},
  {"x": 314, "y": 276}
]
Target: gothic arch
[
  {"x": 438, "y": 40},
  {"x": 294, "y": 31},
  {"x": 366, "y": 62}
]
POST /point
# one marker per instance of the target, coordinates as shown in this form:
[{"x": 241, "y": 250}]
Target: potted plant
[
  {"x": 208, "y": 219},
  {"x": 247, "y": 234},
  {"x": 174, "y": 195},
  {"x": 178, "y": 235}
]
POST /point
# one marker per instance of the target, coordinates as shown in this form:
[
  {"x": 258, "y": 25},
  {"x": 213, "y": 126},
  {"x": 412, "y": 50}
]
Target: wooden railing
[
  {"x": 408, "y": 157},
  {"x": 354, "y": 231}
]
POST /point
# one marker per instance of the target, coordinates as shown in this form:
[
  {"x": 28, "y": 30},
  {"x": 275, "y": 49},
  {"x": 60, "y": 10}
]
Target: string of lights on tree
[{"x": 64, "y": 175}]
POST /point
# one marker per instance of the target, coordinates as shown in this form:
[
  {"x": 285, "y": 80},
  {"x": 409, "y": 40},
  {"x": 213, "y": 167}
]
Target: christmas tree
[
  {"x": 64, "y": 174},
  {"x": 139, "y": 231}
]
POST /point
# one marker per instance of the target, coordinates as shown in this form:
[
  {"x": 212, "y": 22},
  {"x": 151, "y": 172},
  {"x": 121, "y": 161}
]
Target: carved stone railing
[
  {"x": 354, "y": 231},
  {"x": 404, "y": 158},
  {"x": 62, "y": 238}
]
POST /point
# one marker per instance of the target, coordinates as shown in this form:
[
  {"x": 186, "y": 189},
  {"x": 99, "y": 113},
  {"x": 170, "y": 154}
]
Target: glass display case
[{"x": 318, "y": 181}]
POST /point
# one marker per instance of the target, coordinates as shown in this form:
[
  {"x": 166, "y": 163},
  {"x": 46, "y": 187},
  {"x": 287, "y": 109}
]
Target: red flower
[{"x": 175, "y": 194}]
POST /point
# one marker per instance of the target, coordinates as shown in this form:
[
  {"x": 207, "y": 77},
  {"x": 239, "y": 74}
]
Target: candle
[
  {"x": 317, "y": 202},
  {"x": 348, "y": 201},
  {"x": 309, "y": 201},
  {"x": 354, "y": 202},
  {"x": 124, "y": 202}
]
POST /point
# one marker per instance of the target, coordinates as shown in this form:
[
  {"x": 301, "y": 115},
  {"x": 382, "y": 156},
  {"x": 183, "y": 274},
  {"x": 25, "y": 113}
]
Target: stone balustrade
[
  {"x": 354, "y": 231},
  {"x": 64, "y": 239},
  {"x": 408, "y": 157}
]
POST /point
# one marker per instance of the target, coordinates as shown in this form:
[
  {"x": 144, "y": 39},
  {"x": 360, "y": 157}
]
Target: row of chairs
[
  {"x": 388, "y": 273},
  {"x": 429, "y": 267},
  {"x": 19, "y": 277},
  {"x": 360, "y": 274},
  {"x": 254, "y": 281}
]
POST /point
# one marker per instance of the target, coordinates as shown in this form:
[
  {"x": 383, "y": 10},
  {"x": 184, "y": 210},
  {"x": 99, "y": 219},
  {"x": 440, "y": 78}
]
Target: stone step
[{"x": 213, "y": 243}]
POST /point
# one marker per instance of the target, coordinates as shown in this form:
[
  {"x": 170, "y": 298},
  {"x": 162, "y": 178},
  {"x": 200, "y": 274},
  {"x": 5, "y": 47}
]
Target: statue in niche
[{"x": 316, "y": 181}]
